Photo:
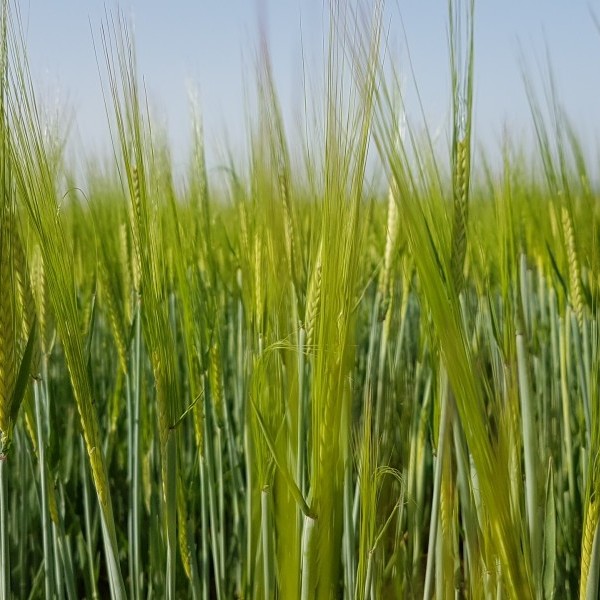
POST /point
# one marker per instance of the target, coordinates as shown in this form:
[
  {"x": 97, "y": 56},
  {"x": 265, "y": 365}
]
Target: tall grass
[{"x": 298, "y": 383}]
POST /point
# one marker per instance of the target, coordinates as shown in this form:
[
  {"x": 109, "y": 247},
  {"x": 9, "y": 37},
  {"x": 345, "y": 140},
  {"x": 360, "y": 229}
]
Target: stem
[
  {"x": 437, "y": 485},
  {"x": 212, "y": 500},
  {"x": 134, "y": 460},
  {"x": 171, "y": 511},
  {"x": 4, "y": 550},
  {"x": 530, "y": 447},
  {"x": 307, "y": 591},
  {"x": 265, "y": 534},
  {"x": 88, "y": 524},
  {"x": 204, "y": 567},
  {"x": 46, "y": 528}
]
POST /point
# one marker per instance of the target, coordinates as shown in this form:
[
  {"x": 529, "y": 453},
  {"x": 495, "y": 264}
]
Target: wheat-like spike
[
  {"x": 391, "y": 236},
  {"x": 17, "y": 316},
  {"x": 258, "y": 283},
  {"x": 461, "y": 207},
  {"x": 589, "y": 531},
  {"x": 39, "y": 288},
  {"x": 126, "y": 271},
  {"x": 98, "y": 466},
  {"x": 447, "y": 509},
  {"x": 184, "y": 547},
  {"x": 24, "y": 296},
  {"x": 313, "y": 299},
  {"x": 136, "y": 219},
  {"x": 113, "y": 317},
  {"x": 8, "y": 334},
  {"x": 288, "y": 224},
  {"x": 216, "y": 380},
  {"x": 574, "y": 272}
]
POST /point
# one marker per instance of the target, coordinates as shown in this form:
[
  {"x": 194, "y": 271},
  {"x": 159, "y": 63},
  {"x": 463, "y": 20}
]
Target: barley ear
[
  {"x": 589, "y": 532},
  {"x": 17, "y": 328},
  {"x": 461, "y": 207},
  {"x": 184, "y": 548},
  {"x": 313, "y": 300},
  {"x": 216, "y": 381},
  {"x": 391, "y": 235},
  {"x": 8, "y": 342},
  {"x": 39, "y": 288},
  {"x": 574, "y": 272}
]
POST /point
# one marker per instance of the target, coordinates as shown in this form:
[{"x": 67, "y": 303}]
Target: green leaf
[
  {"x": 20, "y": 387},
  {"x": 294, "y": 490}
]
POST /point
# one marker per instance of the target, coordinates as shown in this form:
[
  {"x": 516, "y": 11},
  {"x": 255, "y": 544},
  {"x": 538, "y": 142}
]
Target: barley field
[{"x": 303, "y": 382}]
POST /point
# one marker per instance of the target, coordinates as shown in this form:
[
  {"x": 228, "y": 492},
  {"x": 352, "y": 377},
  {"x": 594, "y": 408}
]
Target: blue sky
[{"x": 211, "y": 44}]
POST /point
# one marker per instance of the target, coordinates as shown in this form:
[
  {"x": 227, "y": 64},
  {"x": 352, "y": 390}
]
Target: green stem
[
  {"x": 212, "y": 499},
  {"x": 445, "y": 419},
  {"x": 531, "y": 459},
  {"x": 89, "y": 529},
  {"x": 307, "y": 586},
  {"x": 171, "y": 511},
  {"x": 46, "y": 528},
  {"x": 266, "y": 538},
  {"x": 4, "y": 550},
  {"x": 134, "y": 460}
]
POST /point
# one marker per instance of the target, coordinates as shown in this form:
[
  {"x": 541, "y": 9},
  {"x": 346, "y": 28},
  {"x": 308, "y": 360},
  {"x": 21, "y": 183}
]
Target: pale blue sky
[{"x": 212, "y": 44}]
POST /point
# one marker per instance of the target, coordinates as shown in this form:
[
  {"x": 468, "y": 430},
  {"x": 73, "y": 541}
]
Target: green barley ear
[
  {"x": 590, "y": 525},
  {"x": 391, "y": 236},
  {"x": 313, "y": 299},
  {"x": 127, "y": 269},
  {"x": 461, "y": 66},
  {"x": 575, "y": 288},
  {"x": 115, "y": 317},
  {"x": 25, "y": 300},
  {"x": 8, "y": 333},
  {"x": 216, "y": 379},
  {"x": 182, "y": 537},
  {"x": 17, "y": 325},
  {"x": 461, "y": 209},
  {"x": 39, "y": 288}
]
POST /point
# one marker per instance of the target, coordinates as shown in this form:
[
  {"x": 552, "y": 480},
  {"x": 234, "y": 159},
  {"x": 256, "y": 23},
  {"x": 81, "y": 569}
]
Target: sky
[{"x": 210, "y": 46}]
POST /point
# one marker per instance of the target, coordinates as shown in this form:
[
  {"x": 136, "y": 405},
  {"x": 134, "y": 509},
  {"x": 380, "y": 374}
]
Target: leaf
[
  {"x": 20, "y": 387},
  {"x": 294, "y": 490}
]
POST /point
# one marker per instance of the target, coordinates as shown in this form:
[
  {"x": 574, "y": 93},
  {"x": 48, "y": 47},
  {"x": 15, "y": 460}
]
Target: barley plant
[{"x": 298, "y": 381}]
